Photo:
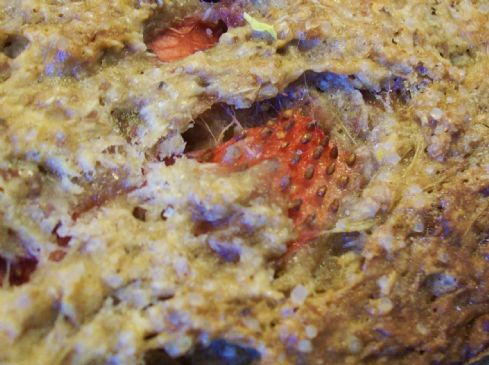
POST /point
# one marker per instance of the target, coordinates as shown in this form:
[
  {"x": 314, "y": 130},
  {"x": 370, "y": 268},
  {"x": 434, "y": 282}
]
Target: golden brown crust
[{"x": 88, "y": 116}]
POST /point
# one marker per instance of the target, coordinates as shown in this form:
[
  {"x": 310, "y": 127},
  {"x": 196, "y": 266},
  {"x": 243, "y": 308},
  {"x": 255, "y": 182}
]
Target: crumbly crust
[{"x": 87, "y": 116}]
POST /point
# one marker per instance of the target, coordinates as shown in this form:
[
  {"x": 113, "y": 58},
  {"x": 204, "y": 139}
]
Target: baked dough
[{"x": 123, "y": 275}]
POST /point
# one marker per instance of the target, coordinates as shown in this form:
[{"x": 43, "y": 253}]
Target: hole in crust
[
  {"x": 222, "y": 121},
  {"x": 14, "y": 45},
  {"x": 16, "y": 262},
  {"x": 219, "y": 352},
  {"x": 18, "y": 271},
  {"x": 179, "y": 31},
  {"x": 310, "y": 92},
  {"x": 185, "y": 38}
]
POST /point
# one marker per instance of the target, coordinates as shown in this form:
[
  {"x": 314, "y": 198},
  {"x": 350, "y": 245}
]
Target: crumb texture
[{"x": 117, "y": 246}]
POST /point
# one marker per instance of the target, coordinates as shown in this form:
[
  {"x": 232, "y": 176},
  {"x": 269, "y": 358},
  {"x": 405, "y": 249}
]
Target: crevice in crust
[
  {"x": 218, "y": 352},
  {"x": 222, "y": 121},
  {"x": 14, "y": 45}
]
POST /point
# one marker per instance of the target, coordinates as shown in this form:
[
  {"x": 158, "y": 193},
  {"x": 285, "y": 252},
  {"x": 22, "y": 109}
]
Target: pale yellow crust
[{"x": 85, "y": 108}]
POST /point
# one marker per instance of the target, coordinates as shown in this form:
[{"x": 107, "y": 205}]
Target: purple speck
[{"x": 61, "y": 56}]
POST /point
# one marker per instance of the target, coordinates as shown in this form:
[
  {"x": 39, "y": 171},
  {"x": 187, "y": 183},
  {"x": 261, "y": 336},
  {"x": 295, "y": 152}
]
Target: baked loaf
[{"x": 120, "y": 243}]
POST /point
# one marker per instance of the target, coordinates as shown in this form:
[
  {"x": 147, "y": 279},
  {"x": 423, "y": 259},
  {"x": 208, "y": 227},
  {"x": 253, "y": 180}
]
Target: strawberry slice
[
  {"x": 312, "y": 174},
  {"x": 186, "y": 38}
]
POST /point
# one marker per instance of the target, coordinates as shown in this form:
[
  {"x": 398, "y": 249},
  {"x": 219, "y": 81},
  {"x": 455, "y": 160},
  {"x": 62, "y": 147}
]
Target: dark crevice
[
  {"x": 176, "y": 31},
  {"x": 17, "y": 271},
  {"x": 342, "y": 243},
  {"x": 222, "y": 121},
  {"x": 303, "y": 45},
  {"x": 210, "y": 128},
  {"x": 14, "y": 45},
  {"x": 229, "y": 12},
  {"x": 16, "y": 262},
  {"x": 219, "y": 352}
]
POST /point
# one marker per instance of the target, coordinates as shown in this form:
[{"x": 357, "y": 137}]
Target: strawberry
[
  {"x": 312, "y": 173},
  {"x": 185, "y": 38}
]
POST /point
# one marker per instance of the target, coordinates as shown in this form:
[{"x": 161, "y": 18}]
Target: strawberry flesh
[
  {"x": 312, "y": 174},
  {"x": 186, "y": 38}
]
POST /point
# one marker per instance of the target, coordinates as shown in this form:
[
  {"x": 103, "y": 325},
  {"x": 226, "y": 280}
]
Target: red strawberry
[
  {"x": 185, "y": 38},
  {"x": 312, "y": 174}
]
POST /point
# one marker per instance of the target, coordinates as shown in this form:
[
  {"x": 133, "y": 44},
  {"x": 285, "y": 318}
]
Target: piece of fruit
[
  {"x": 186, "y": 38},
  {"x": 312, "y": 174}
]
